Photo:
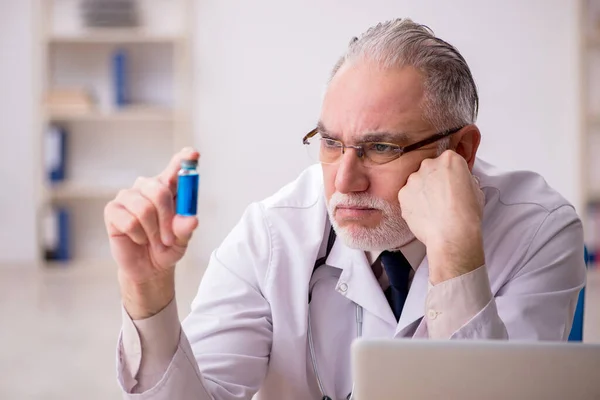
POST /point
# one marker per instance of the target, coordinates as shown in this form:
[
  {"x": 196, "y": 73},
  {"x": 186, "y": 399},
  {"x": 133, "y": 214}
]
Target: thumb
[{"x": 183, "y": 227}]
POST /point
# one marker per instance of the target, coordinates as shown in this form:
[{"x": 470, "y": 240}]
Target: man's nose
[{"x": 351, "y": 175}]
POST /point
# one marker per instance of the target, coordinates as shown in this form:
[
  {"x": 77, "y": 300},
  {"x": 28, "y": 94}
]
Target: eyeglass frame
[{"x": 401, "y": 150}]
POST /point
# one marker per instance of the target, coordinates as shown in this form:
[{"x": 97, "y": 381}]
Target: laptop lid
[{"x": 386, "y": 369}]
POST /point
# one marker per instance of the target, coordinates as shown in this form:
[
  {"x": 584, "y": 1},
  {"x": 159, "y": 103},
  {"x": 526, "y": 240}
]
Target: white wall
[
  {"x": 262, "y": 64},
  {"x": 17, "y": 219},
  {"x": 260, "y": 70}
]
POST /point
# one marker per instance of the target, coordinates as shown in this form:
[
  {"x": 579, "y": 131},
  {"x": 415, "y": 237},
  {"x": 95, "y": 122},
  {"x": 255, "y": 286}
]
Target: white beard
[{"x": 391, "y": 233}]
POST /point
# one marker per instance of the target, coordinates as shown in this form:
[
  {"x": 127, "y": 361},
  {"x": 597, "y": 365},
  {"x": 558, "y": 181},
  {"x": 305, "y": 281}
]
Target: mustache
[{"x": 361, "y": 200}]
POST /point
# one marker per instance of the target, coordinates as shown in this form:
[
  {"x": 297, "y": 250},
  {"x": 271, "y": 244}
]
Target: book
[
  {"x": 110, "y": 13},
  {"x": 55, "y": 153},
  {"x": 56, "y": 234},
  {"x": 119, "y": 72}
]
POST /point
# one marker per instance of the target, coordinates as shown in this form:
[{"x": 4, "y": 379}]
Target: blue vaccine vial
[{"x": 187, "y": 188}]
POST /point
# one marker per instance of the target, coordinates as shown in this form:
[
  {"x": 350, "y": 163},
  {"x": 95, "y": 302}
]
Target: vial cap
[{"x": 188, "y": 164}]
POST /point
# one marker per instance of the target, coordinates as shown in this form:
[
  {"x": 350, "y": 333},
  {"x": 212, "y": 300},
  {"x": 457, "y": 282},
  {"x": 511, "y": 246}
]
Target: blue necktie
[{"x": 397, "y": 269}]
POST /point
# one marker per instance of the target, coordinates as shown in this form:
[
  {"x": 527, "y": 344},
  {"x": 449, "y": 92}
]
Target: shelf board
[
  {"x": 113, "y": 36},
  {"x": 77, "y": 191},
  {"x": 130, "y": 113}
]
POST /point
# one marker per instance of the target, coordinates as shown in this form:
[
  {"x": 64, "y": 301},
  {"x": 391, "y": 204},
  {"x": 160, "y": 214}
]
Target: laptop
[{"x": 386, "y": 369}]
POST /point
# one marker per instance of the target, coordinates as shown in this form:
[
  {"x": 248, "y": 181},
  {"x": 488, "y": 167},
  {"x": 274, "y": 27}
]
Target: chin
[
  {"x": 364, "y": 238},
  {"x": 357, "y": 224},
  {"x": 360, "y": 238},
  {"x": 376, "y": 227}
]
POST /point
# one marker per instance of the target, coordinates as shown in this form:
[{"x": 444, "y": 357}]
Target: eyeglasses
[{"x": 330, "y": 151}]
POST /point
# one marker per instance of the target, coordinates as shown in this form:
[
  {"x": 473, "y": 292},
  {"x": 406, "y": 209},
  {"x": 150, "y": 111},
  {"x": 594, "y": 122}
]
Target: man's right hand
[{"x": 147, "y": 239}]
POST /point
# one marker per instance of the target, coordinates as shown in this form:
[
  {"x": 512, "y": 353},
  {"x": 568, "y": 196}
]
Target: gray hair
[{"x": 451, "y": 99}]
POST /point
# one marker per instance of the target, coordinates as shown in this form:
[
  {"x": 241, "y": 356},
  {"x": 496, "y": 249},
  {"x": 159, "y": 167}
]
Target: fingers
[
  {"x": 169, "y": 176},
  {"x": 121, "y": 222},
  {"x": 143, "y": 211},
  {"x": 183, "y": 227},
  {"x": 162, "y": 199},
  {"x": 146, "y": 212}
]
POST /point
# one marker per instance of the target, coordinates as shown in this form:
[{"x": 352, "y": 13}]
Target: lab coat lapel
[
  {"x": 357, "y": 281},
  {"x": 414, "y": 307}
]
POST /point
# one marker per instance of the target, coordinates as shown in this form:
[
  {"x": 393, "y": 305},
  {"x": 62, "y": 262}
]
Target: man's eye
[
  {"x": 330, "y": 143},
  {"x": 381, "y": 148}
]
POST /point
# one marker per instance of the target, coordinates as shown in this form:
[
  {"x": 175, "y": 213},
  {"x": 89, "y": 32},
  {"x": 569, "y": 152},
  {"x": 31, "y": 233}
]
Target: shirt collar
[{"x": 414, "y": 252}]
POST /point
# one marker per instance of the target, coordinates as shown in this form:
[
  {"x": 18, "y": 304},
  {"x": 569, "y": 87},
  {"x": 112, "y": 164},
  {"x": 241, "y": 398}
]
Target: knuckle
[
  {"x": 412, "y": 178},
  {"x": 451, "y": 156},
  {"x": 108, "y": 210},
  {"x": 144, "y": 209},
  {"x": 109, "y": 206},
  {"x": 122, "y": 194},
  {"x": 131, "y": 225},
  {"x": 140, "y": 181},
  {"x": 401, "y": 195},
  {"x": 157, "y": 192},
  {"x": 427, "y": 163},
  {"x": 444, "y": 160}
]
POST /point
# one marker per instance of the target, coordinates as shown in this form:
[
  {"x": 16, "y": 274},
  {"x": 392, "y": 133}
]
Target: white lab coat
[{"x": 248, "y": 326}]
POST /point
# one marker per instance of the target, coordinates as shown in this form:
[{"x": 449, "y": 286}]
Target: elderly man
[{"x": 399, "y": 231}]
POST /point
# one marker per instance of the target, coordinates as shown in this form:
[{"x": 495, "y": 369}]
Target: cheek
[
  {"x": 390, "y": 181},
  {"x": 387, "y": 186},
  {"x": 329, "y": 179}
]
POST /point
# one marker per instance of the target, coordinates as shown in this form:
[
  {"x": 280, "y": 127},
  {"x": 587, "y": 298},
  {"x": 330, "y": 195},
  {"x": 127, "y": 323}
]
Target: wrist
[
  {"x": 143, "y": 300},
  {"x": 449, "y": 259}
]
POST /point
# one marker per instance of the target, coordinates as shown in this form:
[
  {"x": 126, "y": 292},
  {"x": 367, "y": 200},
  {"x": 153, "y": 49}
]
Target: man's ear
[{"x": 466, "y": 142}]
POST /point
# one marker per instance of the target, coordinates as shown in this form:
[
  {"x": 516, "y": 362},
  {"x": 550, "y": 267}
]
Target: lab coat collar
[{"x": 358, "y": 283}]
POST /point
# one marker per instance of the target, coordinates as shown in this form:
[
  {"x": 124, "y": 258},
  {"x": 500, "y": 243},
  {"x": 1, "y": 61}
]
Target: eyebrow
[{"x": 389, "y": 137}]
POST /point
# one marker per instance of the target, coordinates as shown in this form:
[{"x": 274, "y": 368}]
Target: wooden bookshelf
[
  {"x": 116, "y": 36},
  {"x": 132, "y": 113},
  {"x": 108, "y": 142}
]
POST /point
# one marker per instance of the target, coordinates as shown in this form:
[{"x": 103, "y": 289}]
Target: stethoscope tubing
[{"x": 313, "y": 358}]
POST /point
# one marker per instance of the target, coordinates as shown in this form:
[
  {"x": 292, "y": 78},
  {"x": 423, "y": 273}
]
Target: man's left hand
[{"x": 443, "y": 207}]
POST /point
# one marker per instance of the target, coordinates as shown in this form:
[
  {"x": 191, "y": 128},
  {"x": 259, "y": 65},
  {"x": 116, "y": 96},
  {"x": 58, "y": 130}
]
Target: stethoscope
[{"x": 311, "y": 346}]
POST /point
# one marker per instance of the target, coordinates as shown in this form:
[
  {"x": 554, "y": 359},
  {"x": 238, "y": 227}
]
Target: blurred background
[{"x": 94, "y": 93}]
